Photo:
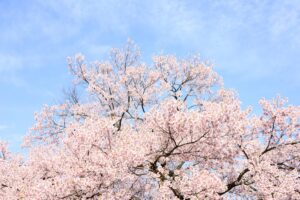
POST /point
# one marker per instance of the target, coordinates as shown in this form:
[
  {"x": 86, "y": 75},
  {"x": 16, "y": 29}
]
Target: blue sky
[{"x": 254, "y": 45}]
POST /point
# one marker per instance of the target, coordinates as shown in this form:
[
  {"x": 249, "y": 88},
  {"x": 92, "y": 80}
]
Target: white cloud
[
  {"x": 15, "y": 62},
  {"x": 3, "y": 127},
  {"x": 10, "y": 63},
  {"x": 217, "y": 27},
  {"x": 12, "y": 66}
]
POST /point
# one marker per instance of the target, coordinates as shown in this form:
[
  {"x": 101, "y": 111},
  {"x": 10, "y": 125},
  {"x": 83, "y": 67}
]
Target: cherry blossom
[{"x": 166, "y": 130}]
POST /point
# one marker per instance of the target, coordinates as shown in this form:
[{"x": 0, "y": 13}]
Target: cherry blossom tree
[{"x": 168, "y": 130}]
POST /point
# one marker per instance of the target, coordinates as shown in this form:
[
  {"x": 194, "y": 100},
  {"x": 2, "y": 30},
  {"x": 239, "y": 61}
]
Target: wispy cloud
[
  {"x": 3, "y": 127},
  {"x": 220, "y": 29}
]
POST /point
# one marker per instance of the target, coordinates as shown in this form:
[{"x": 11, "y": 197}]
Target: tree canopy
[{"x": 166, "y": 130}]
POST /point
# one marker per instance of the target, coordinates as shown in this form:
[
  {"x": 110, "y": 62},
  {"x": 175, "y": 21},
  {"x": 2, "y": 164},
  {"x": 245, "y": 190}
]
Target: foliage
[{"x": 163, "y": 131}]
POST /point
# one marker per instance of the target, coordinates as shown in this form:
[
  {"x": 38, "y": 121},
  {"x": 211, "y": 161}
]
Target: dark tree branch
[{"x": 235, "y": 183}]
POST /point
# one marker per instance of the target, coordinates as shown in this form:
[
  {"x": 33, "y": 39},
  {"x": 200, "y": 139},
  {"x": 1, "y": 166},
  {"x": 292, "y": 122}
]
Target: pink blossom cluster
[{"x": 169, "y": 130}]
